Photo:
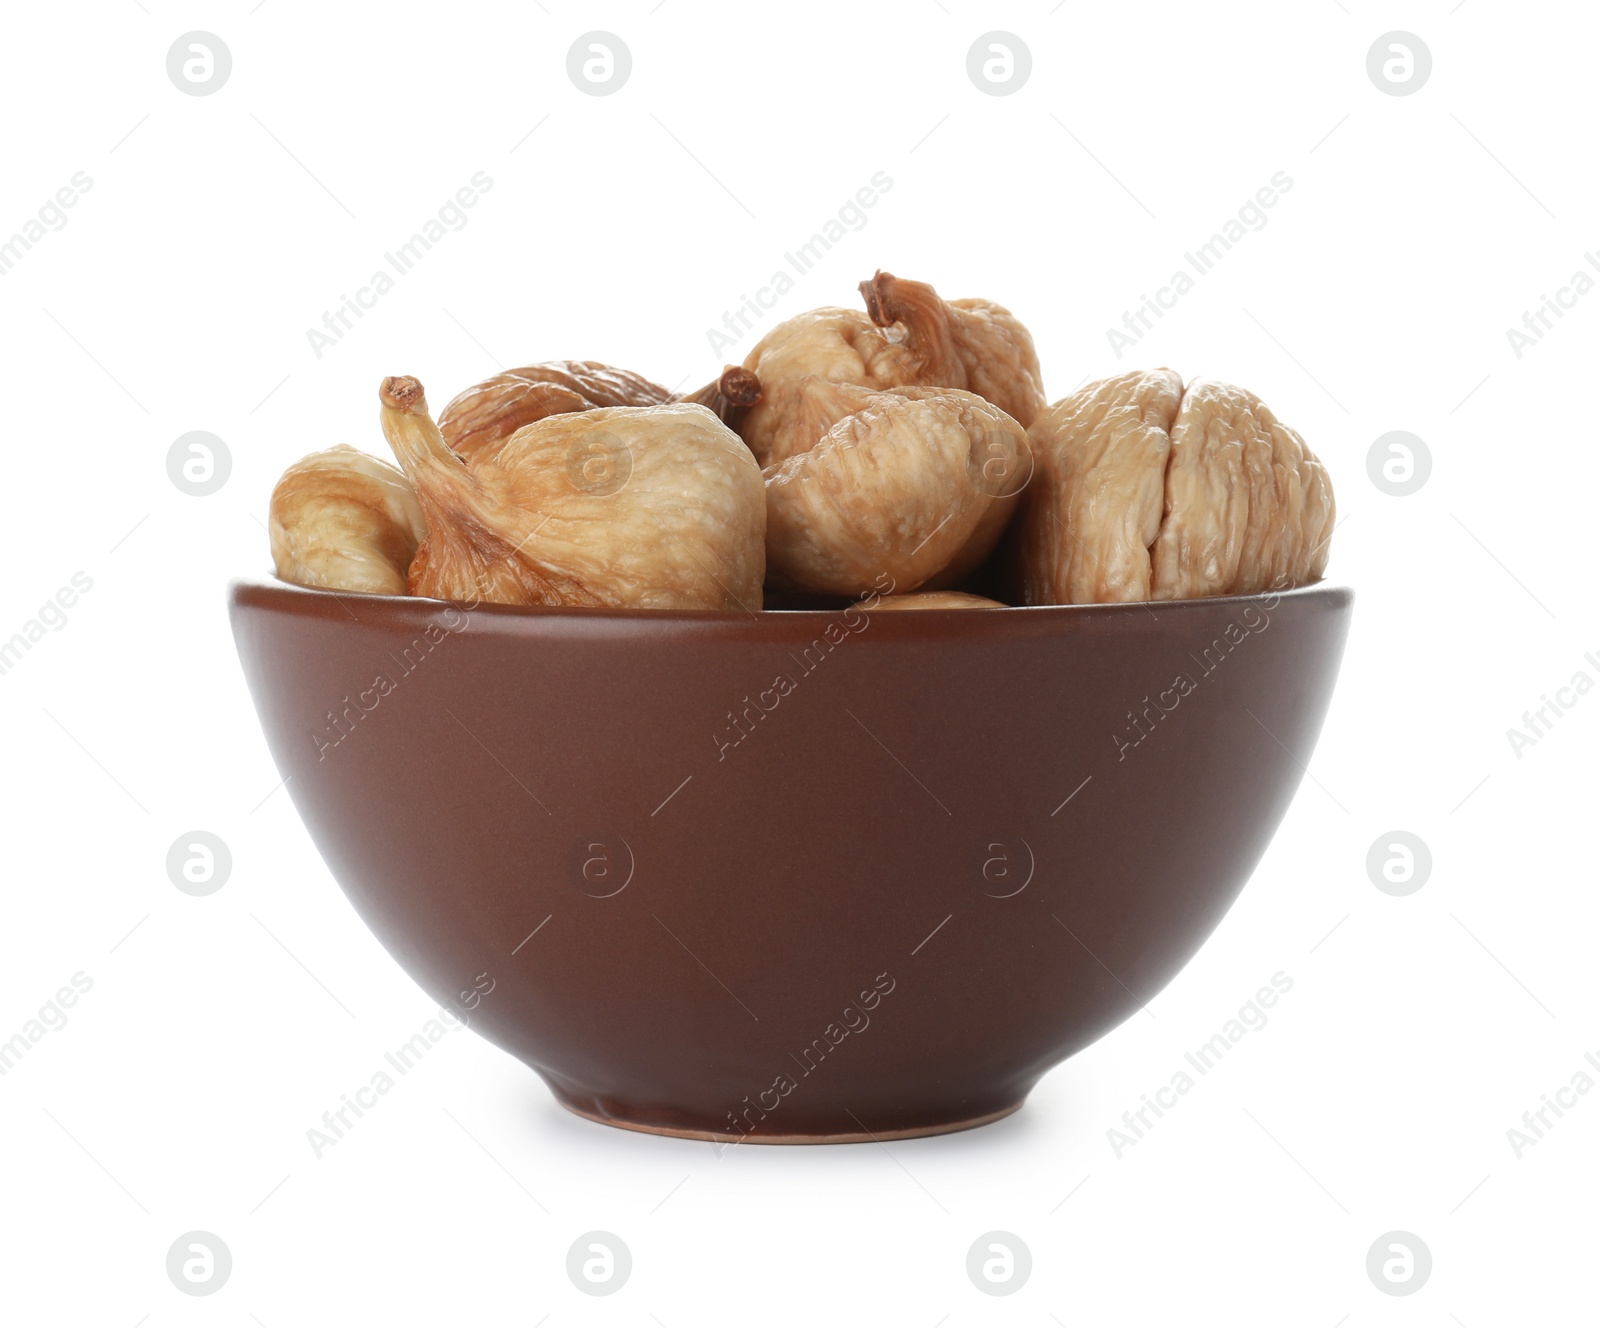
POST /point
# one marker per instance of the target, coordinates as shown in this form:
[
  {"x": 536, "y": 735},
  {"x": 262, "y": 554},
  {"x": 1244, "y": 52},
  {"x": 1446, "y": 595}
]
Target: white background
[{"x": 1377, "y": 297}]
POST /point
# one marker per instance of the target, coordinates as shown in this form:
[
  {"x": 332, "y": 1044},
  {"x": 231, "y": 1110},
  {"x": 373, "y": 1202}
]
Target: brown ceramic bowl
[{"x": 791, "y": 877}]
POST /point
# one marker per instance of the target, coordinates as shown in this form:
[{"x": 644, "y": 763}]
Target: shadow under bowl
[{"x": 791, "y": 877}]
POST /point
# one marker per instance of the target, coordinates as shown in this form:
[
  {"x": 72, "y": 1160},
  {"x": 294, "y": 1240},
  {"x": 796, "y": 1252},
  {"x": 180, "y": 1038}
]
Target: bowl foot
[{"x": 605, "y": 1111}]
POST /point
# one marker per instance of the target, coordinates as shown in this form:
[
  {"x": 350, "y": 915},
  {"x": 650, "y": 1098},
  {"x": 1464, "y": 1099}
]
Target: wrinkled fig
[
  {"x": 908, "y": 338},
  {"x": 486, "y": 414},
  {"x": 915, "y": 484},
  {"x": 343, "y": 520},
  {"x": 478, "y": 420},
  {"x": 624, "y": 507},
  {"x": 1146, "y": 490},
  {"x": 976, "y": 345},
  {"x": 1098, "y": 490},
  {"x": 1249, "y": 505}
]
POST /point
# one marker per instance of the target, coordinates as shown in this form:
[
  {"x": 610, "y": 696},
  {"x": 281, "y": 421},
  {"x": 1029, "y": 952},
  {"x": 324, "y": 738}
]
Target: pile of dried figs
[{"x": 903, "y": 455}]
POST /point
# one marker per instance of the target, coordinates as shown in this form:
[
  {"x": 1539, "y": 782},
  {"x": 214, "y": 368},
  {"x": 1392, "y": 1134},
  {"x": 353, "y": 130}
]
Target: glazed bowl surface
[{"x": 791, "y": 876}]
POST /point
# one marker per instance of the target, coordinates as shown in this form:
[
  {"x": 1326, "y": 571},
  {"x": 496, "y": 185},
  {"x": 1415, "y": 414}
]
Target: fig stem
[
  {"x": 403, "y": 393},
  {"x": 874, "y": 292},
  {"x": 739, "y": 386},
  {"x": 916, "y": 306},
  {"x": 734, "y": 389},
  {"x": 415, "y": 439}
]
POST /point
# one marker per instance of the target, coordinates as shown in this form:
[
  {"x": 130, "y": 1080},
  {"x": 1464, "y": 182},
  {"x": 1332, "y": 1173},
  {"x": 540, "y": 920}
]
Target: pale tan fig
[
  {"x": 1098, "y": 490},
  {"x": 975, "y": 345},
  {"x": 822, "y": 345},
  {"x": 343, "y": 520},
  {"x": 478, "y": 420},
  {"x": 657, "y": 507},
  {"x": 1146, "y": 490},
  {"x": 915, "y": 484},
  {"x": 1249, "y": 506},
  {"x": 908, "y": 338},
  {"x": 932, "y": 599},
  {"x": 481, "y": 418}
]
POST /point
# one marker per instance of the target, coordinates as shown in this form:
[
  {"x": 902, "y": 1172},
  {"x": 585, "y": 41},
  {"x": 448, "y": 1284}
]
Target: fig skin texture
[
  {"x": 976, "y": 345},
  {"x": 914, "y": 484},
  {"x": 1249, "y": 506},
  {"x": 1145, "y": 489},
  {"x": 1099, "y": 489},
  {"x": 908, "y": 337},
  {"x": 478, "y": 420},
  {"x": 657, "y": 507},
  {"x": 343, "y": 520}
]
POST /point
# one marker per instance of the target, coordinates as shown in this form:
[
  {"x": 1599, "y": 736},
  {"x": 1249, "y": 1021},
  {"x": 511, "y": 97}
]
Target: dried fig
[
  {"x": 1145, "y": 490},
  {"x": 932, "y": 599},
  {"x": 909, "y": 338},
  {"x": 1249, "y": 506},
  {"x": 975, "y": 345},
  {"x": 1098, "y": 490},
  {"x": 343, "y": 520},
  {"x": 916, "y": 483},
  {"x": 478, "y": 420},
  {"x": 624, "y": 507},
  {"x": 486, "y": 414}
]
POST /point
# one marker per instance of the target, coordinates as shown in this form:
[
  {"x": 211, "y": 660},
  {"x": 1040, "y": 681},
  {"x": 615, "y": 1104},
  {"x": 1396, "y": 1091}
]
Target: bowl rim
[{"x": 275, "y": 594}]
